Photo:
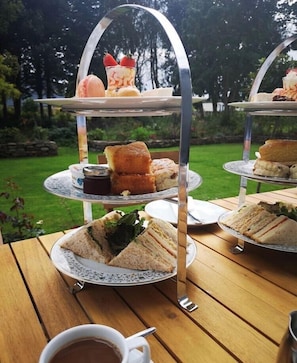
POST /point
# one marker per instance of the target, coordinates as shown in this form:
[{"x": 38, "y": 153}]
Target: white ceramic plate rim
[
  {"x": 93, "y": 272},
  {"x": 117, "y": 102},
  {"x": 61, "y": 184},
  {"x": 266, "y": 105},
  {"x": 206, "y": 211},
  {"x": 245, "y": 168},
  {"x": 234, "y": 233}
]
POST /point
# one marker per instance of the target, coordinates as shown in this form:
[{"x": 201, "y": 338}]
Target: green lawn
[{"x": 58, "y": 213}]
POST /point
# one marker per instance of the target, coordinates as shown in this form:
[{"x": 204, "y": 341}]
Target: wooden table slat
[
  {"x": 181, "y": 336},
  {"x": 17, "y": 315},
  {"x": 244, "y": 300},
  {"x": 234, "y": 333},
  {"x": 58, "y": 308}
]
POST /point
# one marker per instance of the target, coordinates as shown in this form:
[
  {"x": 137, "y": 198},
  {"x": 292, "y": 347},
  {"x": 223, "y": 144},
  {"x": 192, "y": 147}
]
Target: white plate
[
  {"x": 268, "y": 107},
  {"x": 207, "y": 212},
  {"x": 234, "y": 233},
  {"x": 245, "y": 169},
  {"x": 136, "y": 356},
  {"x": 98, "y": 273},
  {"x": 119, "y": 105},
  {"x": 60, "y": 184}
]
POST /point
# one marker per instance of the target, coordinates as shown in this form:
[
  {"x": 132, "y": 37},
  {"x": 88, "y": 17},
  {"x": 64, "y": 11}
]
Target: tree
[
  {"x": 9, "y": 68},
  {"x": 287, "y": 17},
  {"x": 224, "y": 40},
  {"x": 9, "y": 13}
]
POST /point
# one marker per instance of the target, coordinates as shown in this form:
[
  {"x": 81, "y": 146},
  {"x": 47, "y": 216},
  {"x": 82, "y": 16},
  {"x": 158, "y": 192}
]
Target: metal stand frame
[
  {"x": 185, "y": 130},
  {"x": 249, "y": 122}
]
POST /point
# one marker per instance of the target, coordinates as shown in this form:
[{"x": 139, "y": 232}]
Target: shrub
[
  {"x": 65, "y": 136},
  {"x": 96, "y": 134},
  {"x": 39, "y": 133},
  {"x": 21, "y": 225},
  {"x": 11, "y": 134},
  {"x": 141, "y": 133}
]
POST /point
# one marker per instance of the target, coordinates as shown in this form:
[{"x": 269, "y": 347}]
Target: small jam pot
[{"x": 97, "y": 180}]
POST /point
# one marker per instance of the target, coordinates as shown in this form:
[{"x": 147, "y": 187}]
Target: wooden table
[{"x": 244, "y": 300}]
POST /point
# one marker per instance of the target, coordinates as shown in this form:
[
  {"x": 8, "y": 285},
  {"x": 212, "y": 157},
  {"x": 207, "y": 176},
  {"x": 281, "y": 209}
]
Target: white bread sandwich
[
  {"x": 90, "y": 240},
  {"x": 120, "y": 240},
  {"x": 154, "y": 249},
  {"x": 265, "y": 223}
]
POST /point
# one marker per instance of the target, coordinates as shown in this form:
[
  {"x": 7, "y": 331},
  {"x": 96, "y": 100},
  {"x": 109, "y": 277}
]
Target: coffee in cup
[
  {"x": 88, "y": 350},
  {"x": 92, "y": 343}
]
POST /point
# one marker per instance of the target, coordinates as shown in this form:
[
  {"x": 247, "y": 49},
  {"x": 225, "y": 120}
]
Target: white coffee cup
[{"x": 106, "y": 333}]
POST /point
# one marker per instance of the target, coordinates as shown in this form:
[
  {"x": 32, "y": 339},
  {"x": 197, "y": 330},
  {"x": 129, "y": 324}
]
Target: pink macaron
[{"x": 90, "y": 86}]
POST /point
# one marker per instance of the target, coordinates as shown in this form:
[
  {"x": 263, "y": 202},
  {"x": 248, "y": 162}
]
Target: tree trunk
[
  {"x": 17, "y": 109},
  {"x": 4, "y": 105}
]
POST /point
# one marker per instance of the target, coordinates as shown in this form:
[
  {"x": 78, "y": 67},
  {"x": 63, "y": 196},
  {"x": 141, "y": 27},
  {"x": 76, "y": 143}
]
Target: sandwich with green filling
[{"x": 122, "y": 240}]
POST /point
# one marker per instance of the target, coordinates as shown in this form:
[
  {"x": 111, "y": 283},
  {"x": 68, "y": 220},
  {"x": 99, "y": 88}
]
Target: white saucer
[
  {"x": 208, "y": 213},
  {"x": 135, "y": 356}
]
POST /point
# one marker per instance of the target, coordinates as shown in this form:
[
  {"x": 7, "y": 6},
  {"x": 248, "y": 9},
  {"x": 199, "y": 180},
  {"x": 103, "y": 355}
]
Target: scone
[
  {"x": 133, "y": 158},
  {"x": 166, "y": 173},
  {"x": 293, "y": 171},
  {"x": 271, "y": 168}
]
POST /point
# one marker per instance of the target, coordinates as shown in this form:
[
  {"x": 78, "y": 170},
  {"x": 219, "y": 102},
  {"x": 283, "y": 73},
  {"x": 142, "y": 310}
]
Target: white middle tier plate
[
  {"x": 245, "y": 169},
  {"x": 60, "y": 184}
]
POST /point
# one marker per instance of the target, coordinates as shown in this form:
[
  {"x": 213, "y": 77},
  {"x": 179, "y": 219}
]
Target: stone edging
[{"x": 35, "y": 148}]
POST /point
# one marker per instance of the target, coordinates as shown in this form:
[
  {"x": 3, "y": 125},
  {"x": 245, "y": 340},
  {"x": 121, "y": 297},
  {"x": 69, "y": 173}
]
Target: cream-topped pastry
[{"x": 290, "y": 84}]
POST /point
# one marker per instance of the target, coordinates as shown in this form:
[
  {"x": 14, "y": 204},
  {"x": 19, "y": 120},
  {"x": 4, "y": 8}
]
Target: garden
[{"x": 28, "y": 210}]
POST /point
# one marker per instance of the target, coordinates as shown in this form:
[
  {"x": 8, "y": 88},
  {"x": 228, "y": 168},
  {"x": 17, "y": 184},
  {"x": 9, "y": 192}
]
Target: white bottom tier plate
[
  {"x": 281, "y": 247},
  {"x": 98, "y": 273}
]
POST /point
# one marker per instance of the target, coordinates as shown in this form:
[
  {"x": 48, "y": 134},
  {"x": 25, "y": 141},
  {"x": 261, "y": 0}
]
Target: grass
[{"x": 59, "y": 213}]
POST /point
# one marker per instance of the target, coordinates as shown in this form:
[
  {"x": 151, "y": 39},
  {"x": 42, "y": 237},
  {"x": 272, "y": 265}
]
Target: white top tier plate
[{"x": 119, "y": 106}]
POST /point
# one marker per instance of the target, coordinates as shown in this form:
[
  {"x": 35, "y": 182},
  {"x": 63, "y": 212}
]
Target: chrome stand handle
[
  {"x": 186, "y": 119},
  {"x": 249, "y": 120},
  {"x": 269, "y": 60}
]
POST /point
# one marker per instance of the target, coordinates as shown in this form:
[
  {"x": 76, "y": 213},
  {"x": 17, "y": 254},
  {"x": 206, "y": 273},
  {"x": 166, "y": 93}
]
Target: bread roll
[
  {"x": 282, "y": 151},
  {"x": 133, "y": 158}
]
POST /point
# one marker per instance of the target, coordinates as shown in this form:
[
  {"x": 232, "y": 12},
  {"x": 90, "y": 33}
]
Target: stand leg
[
  {"x": 239, "y": 248},
  {"x": 83, "y": 159},
  {"x": 77, "y": 287}
]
